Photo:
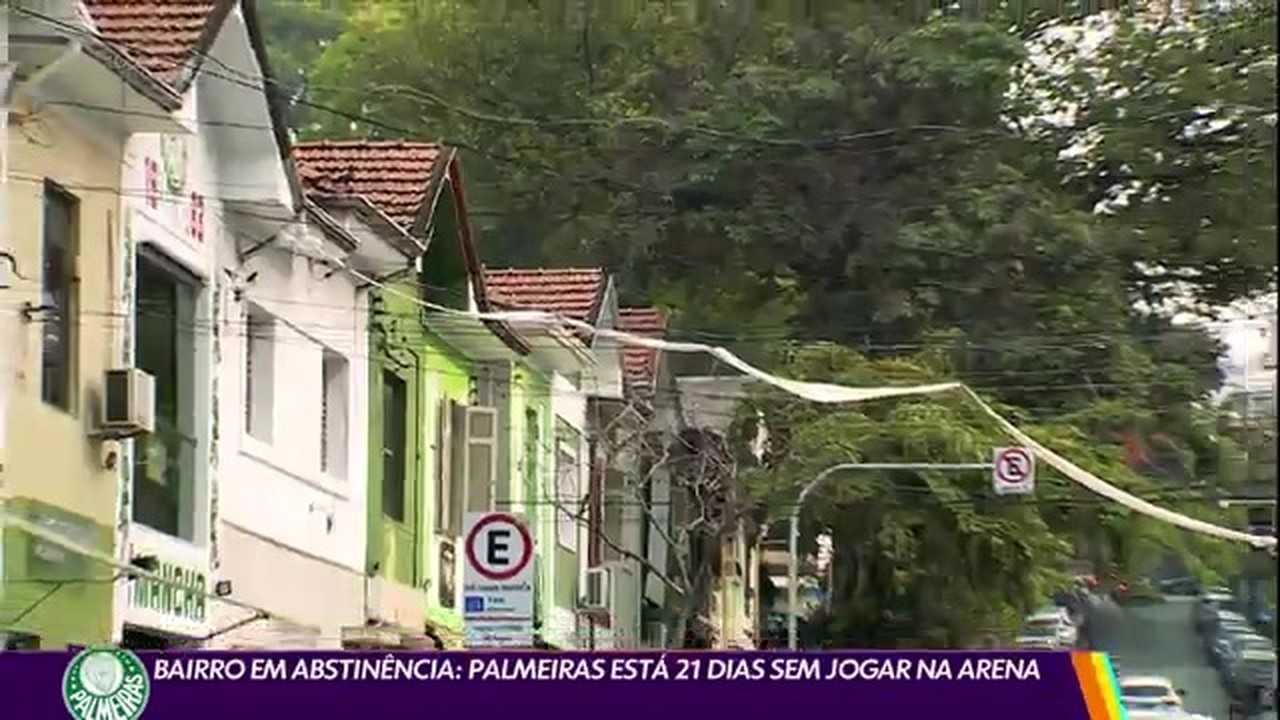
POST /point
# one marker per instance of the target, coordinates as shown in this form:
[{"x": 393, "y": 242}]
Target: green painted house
[
  {"x": 463, "y": 413},
  {"x": 571, "y": 368}
]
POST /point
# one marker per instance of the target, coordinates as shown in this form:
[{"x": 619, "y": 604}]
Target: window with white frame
[
  {"x": 482, "y": 458},
  {"x": 259, "y": 373},
  {"x": 567, "y": 486},
  {"x": 335, "y": 377},
  {"x": 395, "y": 437},
  {"x": 467, "y": 463},
  {"x": 447, "y": 515},
  {"x": 166, "y": 325}
]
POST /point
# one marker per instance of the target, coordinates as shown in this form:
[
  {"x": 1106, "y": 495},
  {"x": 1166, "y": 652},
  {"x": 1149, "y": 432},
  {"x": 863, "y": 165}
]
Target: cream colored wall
[{"x": 49, "y": 457}]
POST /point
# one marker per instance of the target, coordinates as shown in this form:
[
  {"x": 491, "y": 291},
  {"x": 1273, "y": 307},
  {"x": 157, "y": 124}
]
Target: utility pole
[{"x": 793, "y": 535}]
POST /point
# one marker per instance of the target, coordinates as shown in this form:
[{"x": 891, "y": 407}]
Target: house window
[
  {"x": 532, "y": 451},
  {"x": 394, "y": 438},
  {"x": 567, "y": 493},
  {"x": 447, "y": 516},
  {"x": 333, "y": 415},
  {"x": 259, "y": 374},
  {"x": 613, "y": 519},
  {"x": 482, "y": 458},
  {"x": 595, "y": 508},
  {"x": 164, "y": 479},
  {"x": 59, "y": 291},
  {"x": 135, "y": 639}
]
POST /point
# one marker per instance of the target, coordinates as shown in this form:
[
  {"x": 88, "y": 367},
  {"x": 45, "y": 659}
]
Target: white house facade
[{"x": 192, "y": 207}]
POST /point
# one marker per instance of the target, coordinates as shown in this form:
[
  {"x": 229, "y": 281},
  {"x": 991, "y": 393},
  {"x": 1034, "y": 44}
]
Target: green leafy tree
[{"x": 903, "y": 182}]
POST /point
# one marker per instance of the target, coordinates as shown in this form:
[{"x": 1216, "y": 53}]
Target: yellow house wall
[{"x": 50, "y": 467}]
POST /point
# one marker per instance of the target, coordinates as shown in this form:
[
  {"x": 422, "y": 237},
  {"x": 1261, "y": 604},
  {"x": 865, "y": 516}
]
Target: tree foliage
[{"x": 1000, "y": 198}]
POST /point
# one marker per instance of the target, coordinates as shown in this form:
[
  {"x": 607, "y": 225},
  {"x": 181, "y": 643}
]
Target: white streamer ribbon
[{"x": 828, "y": 393}]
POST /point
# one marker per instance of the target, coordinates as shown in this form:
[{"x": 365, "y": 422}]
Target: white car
[
  {"x": 1150, "y": 691},
  {"x": 1054, "y": 625},
  {"x": 1061, "y": 612}
]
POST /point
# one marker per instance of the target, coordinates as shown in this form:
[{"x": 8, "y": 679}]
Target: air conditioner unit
[
  {"x": 599, "y": 589},
  {"x": 129, "y": 406}
]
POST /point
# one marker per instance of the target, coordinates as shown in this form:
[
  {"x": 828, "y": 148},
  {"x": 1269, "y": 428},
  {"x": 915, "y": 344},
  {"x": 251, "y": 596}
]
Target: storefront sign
[
  {"x": 168, "y": 191},
  {"x": 186, "y": 602}
]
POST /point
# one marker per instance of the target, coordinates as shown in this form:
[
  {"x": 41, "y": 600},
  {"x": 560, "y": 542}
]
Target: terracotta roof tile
[
  {"x": 572, "y": 292},
  {"x": 640, "y": 365},
  {"x": 393, "y": 175},
  {"x": 159, "y": 35}
]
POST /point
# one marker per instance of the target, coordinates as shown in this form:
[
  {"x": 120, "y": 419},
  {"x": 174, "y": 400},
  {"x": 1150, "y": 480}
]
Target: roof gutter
[
  {"x": 330, "y": 226},
  {"x": 131, "y": 72},
  {"x": 404, "y": 243},
  {"x": 31, "y": 88}
]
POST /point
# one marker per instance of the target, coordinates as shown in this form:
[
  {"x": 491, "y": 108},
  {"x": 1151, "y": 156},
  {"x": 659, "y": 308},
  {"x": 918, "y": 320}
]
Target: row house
[
  {"x": 243, "y": 491},
  {"x": 630, "y": 421},
  {"x": 255, "y": 368},
  {"x": 466, "y": 415},
  {"x": 558, "y": 501},
  {"x": 70, "y": 105},
  {"x": 190, "y": 359}
]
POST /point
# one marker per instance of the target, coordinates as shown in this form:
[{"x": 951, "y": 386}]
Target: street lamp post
[{"x": 793, "y": 536}]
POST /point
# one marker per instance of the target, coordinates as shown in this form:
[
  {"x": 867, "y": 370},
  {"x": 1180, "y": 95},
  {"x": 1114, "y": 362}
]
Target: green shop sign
[{"x": 186, "y": 602}]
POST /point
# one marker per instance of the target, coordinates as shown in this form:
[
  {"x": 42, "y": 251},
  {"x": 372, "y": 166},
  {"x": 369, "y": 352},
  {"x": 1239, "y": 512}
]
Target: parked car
[
  {"x": 1208, "y": 604},
  {"x": 1146, "y": 712},
  {"x": 1233, "y": 647},
  {"x": 1051, "y": 629},
  {"x": 1184, "y": 586},
  {"x": 1224, "y": 620},
  {"x": 1223, "y": 644},
  {"x": 1059, "y": 611},
  {"x": 1150, "y": 689},
  {"x": 1217, "y": 641},
  {"x": 1252, "y": 668}
]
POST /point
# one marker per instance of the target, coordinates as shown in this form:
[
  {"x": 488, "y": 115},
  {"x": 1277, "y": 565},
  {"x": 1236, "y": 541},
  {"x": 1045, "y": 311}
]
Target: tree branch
[{"x": 630, "y": 554}]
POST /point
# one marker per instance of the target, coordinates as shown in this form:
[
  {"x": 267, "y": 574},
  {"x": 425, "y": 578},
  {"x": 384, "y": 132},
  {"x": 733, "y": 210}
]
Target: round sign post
[
  {"x": 497, "y": 587},
  {"x": 485, "y": 563},
  {"x": 1013, "y": 471}
]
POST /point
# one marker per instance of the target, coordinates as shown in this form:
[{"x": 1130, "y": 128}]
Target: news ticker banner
[{"x": 115, "y": 684}]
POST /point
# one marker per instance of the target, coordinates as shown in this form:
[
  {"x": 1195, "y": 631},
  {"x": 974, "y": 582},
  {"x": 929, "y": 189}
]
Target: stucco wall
[
  {"x": 40, "y": 435},
  {"x": 43, "y": 442},
  {"x": 313, "y": 598},
  {"x": 560, "y": 625},
  {"x": 448, "y": 378},
  {"x": 177, "y": 199},
  {"x": 276, "y": 488},
  {"x": 164, "y": 178}
]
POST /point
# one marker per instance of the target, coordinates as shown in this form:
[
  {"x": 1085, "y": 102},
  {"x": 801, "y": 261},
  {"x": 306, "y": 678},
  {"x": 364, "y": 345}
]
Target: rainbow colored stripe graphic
[{"x": 1099, "y": 686}]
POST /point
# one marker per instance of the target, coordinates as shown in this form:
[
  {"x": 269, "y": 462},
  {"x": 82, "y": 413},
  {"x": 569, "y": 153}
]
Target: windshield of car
[
  {"x": 1143, "y": 691},
  {"x": 1249, "y": 643},
  {"x": 1037, "y": 630},
  {"x": 1148, "y": 705}
]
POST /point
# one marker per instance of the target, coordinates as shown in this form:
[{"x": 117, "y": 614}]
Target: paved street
[{"x": 1158, "y": 640}]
